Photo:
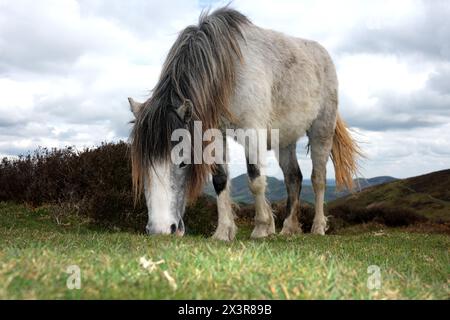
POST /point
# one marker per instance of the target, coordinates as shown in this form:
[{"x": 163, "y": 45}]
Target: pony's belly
[
  {"x": 293, "y": 125},
  {"x": 289, "y": 132}
]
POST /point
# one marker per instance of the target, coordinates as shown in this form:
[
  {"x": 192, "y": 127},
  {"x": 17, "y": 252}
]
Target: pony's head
[{"x": 164, "y": 180}]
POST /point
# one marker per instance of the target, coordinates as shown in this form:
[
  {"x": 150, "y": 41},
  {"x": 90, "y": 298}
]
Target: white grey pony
[{"x": 229, "y": 73}]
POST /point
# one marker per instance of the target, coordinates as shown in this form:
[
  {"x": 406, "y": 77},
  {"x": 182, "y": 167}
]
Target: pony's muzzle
[{"x": 175, "y": 228}]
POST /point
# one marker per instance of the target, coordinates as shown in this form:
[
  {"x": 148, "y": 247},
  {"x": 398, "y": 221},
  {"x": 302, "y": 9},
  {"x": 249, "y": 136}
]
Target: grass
[{"x": 35, "y": 252}]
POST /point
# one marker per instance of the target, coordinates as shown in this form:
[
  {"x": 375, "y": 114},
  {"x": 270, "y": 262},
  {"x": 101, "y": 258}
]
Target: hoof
[
  {"x": 226, "y": 233},
  {"x": 263, "y": 231},
  {"x": 289, "y": 230},
  {"x": 319, "y": 228}
]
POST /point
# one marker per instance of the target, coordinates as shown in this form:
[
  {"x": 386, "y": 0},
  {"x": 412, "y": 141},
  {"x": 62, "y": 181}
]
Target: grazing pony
[{"x": 231, "y": 74}]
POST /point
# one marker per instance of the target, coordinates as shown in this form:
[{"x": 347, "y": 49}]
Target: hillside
[
  {"x": 428, "y": 195},
  {"x": 276, "y": 189}
]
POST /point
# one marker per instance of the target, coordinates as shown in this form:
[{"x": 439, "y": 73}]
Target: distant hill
[
  {"x": 276, "y": 189},
  {"x": 428, "y": 195}
]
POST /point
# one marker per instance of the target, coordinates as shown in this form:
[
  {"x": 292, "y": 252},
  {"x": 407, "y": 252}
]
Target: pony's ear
[
  {"x": 135, "y": 107},
  {"x": 185, "y": 111}
]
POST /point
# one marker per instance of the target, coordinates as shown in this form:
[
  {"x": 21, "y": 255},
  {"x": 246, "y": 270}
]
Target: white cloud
[{"x": 67, "y": 67}]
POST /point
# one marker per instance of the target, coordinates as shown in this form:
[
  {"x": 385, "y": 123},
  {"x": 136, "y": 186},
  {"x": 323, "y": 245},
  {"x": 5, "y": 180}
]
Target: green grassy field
[{"x": 35, "y": 252}]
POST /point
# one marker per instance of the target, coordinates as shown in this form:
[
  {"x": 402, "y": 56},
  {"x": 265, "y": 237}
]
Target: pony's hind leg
[
  {"x": 293, "y": 180},
  {"x": 320, "y": 152},
  {"x": 264, "y": 222}
]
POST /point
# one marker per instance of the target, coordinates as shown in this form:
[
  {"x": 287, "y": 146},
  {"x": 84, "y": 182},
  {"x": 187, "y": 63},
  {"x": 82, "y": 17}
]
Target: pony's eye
[{"x": 182, "y": 165}]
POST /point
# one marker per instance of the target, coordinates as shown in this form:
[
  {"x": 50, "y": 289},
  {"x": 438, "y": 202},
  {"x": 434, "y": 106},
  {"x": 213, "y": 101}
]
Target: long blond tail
[{"x": 344, "y": 155}]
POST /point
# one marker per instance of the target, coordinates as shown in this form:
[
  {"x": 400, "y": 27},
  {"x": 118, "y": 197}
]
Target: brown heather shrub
[
  {"x": 344, "y": 216},
  {"x": 95, "y": 181},
  {"x": 392, "y": 217}
]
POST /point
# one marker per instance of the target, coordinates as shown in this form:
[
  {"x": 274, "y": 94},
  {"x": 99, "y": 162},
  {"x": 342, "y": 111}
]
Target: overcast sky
[{"x": 67, "y": 67}]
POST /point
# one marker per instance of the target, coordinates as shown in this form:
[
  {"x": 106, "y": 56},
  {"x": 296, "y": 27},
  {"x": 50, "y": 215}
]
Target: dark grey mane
[{"x": 199, "y": 68}]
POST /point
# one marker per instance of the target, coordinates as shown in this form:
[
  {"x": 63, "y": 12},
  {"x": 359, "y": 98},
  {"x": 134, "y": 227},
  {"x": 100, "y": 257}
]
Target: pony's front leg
[
  {"x": 226, "y": 228},
  {"x": 264, "y": 222}
]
